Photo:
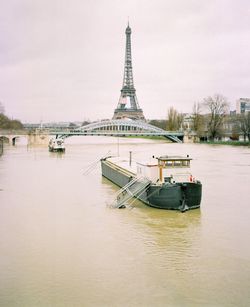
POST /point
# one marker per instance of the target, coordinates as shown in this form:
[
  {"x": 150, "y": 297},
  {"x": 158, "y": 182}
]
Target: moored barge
[{"x": 165, "y": 182}]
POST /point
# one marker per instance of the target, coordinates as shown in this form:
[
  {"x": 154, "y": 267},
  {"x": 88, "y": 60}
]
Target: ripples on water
[{"x": 62, "y": 246}]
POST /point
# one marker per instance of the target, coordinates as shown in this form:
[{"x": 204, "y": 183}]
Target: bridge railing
[{"x": 85, "y": 132}]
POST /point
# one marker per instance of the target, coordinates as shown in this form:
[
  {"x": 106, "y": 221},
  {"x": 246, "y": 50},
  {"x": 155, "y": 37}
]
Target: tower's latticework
[{"x": 128, "y": 106}]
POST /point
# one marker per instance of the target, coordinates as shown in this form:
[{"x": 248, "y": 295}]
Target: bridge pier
[
  {"x": 1, "y": 146},
  {"x": 190, "y": 137},
  {"x": 38, "y": 139}
]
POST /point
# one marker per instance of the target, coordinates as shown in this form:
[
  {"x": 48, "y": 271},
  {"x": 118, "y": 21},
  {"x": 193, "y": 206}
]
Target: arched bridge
[
  {"x": 119, "y": 127},
  {"x": 10, "y": 136}
]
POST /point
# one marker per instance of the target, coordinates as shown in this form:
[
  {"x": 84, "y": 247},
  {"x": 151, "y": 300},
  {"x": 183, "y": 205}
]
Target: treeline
[
  {"x": 210, "y": 119},
  {"x": 7, "y": 123}
]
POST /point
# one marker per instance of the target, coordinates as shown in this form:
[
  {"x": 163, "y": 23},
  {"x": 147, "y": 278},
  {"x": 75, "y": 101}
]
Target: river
[{"x": 61, "y": 245}]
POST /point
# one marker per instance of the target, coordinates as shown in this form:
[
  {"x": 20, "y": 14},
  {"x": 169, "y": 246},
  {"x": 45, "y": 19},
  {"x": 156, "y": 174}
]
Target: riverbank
[
  {"x": 162, "y": 138},
  {"x": 231, "y": 143}
]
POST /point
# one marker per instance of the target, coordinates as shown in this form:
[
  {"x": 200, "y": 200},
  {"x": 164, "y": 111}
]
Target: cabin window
[
  {"x": 174, "y": 163},
  {"x": 185, "y": 163},
  {"x": 177, "y": 163},
  {"x": 161, "y": 163}
]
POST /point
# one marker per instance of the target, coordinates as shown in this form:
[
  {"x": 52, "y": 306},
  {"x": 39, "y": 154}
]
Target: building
[{"x": 243, "y": 105}]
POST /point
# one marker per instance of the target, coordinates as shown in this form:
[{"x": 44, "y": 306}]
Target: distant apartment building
[
  {"x": 243, "y": 105},
  {"x": 187, "y": 123}
]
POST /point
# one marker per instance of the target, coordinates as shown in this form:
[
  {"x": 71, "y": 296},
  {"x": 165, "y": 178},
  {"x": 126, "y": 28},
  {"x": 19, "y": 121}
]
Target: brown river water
[{"x": 61, "y": 245}]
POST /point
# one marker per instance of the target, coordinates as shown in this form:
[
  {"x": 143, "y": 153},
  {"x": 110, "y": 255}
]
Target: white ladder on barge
[{"x": 133, "y": 188}]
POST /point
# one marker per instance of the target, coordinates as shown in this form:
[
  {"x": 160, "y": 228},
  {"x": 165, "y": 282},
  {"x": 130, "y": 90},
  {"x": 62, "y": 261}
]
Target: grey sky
[{"x": 63, "y": 60}]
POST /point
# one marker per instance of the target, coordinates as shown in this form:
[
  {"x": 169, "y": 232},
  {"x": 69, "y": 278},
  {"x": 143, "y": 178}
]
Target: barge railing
[{"x": 132, "y": 189}]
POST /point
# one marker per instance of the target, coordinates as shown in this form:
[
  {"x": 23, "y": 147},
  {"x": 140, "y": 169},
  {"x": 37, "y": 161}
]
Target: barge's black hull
[
  {"x": 177, "y": 196},
  {"x": 172, "y": 196}
]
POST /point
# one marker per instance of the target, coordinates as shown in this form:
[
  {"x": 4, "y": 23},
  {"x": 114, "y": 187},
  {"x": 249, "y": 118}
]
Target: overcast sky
[{"x": 62, "y": 60}]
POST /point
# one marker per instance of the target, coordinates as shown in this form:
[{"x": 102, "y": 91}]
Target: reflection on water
[
  {"x": 62, "y": 246},
  {"x": 168, "y": 235}
]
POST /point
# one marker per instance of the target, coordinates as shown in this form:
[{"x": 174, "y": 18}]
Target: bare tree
[
  {"x": 175, "y": 120},
  {"x": 244, "y": 125},
  {"x": 197, "y": 118},
  {"x": 1, "y": 108},
  {"x": 218, "y": 107},
  {"x": 160, "y": 123}
]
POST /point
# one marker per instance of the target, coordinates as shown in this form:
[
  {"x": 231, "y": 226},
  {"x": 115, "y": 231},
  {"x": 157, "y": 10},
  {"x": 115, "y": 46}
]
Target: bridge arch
[
  {"x": 10, "y": 139},
  {"x": 120, "y": 125},
  {"x": 123, "y": 127}
]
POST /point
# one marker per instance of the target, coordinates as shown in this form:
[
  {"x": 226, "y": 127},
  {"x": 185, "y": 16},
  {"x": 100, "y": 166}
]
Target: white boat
[{"x": 56, "y": 144}]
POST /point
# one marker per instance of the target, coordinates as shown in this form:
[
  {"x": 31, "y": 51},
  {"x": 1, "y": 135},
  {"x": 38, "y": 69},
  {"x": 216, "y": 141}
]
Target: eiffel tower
[{"x": 128, "y": 106}]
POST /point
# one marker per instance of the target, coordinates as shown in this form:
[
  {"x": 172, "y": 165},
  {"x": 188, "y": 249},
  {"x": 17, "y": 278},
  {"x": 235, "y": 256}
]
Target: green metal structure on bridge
[
  {"x": 120, "y": 127},
  {"x": 113, "y": 127}
]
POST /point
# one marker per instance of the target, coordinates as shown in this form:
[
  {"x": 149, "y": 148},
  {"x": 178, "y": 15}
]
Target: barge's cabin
[{"x": 167, "y": 169}]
